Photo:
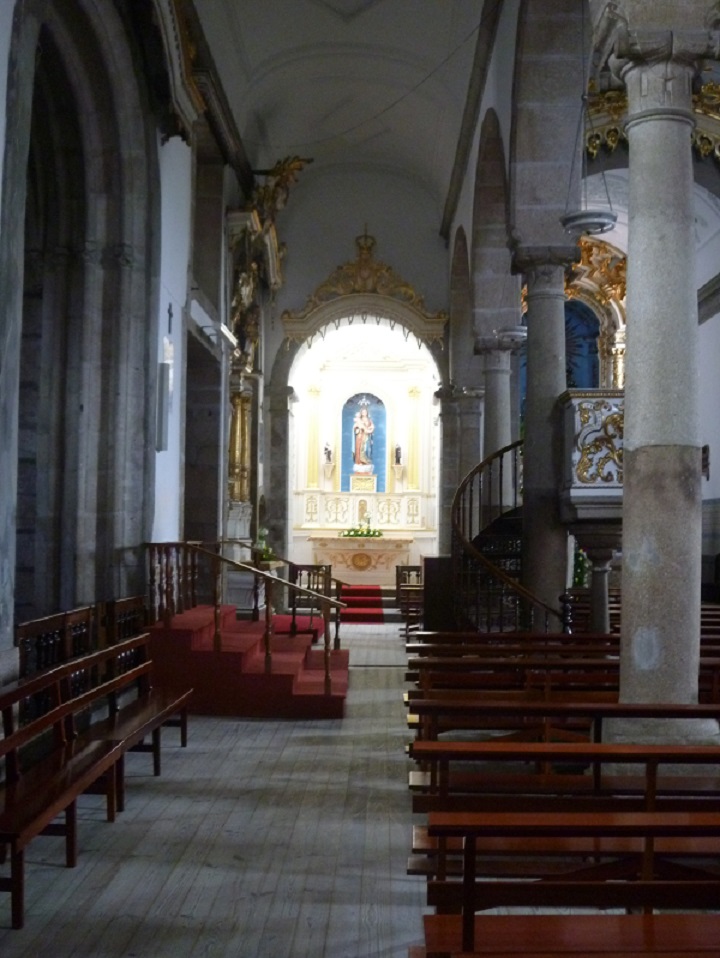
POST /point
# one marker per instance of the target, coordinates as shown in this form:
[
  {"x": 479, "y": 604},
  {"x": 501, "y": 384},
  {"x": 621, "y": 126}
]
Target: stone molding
[
  {"x": 541, "y": 262},
  {"x": 186, "y": 98}
]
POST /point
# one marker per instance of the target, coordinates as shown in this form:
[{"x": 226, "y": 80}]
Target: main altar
[{"x": 360, "y": 560}]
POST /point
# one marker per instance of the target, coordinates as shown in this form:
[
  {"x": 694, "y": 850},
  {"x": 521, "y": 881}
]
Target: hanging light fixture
[{"x": 584, "y": 220}]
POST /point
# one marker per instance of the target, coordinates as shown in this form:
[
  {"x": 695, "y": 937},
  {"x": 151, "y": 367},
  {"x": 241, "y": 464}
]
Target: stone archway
[
  {"x": 364, "y": 290},
  {"x": 86, "y": 401}
]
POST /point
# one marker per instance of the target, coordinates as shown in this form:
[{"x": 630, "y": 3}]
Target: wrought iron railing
[{"x": 486, "y": 550}]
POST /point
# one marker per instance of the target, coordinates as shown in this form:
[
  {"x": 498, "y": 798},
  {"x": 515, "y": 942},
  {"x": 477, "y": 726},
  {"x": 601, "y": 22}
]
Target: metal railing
[{"x": 486, "y": 554}]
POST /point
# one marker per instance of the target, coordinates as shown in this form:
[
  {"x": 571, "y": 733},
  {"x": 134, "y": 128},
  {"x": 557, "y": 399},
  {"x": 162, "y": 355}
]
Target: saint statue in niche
[{"x": 363, "y": 428}]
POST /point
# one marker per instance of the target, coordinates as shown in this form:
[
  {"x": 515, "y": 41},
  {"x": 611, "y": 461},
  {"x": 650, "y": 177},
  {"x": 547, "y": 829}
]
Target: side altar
[{"x": 358, "y": 560}]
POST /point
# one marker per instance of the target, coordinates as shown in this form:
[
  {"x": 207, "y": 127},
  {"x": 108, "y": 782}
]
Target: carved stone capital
[
  {"x": 451, "y": 393},
  {"x": 629, "y": 33},
  {"x": 543, "y": 261},
  {"x": 508, "y": 340}
]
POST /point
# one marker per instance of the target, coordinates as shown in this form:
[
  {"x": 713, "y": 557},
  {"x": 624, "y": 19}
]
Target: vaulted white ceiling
[{"x": 378, "y": 84}]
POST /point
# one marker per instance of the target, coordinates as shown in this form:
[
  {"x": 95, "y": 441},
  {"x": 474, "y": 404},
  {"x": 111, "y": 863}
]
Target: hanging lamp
[{"x": 585, "y": 221}]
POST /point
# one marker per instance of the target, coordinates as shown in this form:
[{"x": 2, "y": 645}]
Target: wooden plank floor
[{"x": 262, "y": 838}]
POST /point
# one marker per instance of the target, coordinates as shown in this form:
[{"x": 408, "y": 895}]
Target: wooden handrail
[
  {"x": 175, "y": 594},
  {"x": 475, "y": 506}
]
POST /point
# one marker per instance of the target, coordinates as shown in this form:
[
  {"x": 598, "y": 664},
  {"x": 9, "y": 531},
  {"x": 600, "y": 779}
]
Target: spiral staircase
[{"x": 486, "y": 552}]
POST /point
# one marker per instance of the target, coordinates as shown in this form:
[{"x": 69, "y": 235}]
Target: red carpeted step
[
  {"x": 362, "y": 615},
  {"x": 364, "y": 604},
  {"x": 351, "y": 591},
  {"x": 312, "y": 625},
  {"x": 236, "y": 679}
]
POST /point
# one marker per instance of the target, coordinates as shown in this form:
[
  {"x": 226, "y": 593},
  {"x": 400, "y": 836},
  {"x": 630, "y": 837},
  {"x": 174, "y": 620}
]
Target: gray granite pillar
[
  {"x": 470, "y": 409},
  {"x": 600, "y": 543},
  {"x": 20, "y": 71},
  {"x": 461, "y": 413},
  {"x": 662, "y": 499},
  {"x": 449, "y": 464},
  {"x": 497, "y": 352},
  {"x": 498, "y": 424},
  {"x": 545, "y": 556}
]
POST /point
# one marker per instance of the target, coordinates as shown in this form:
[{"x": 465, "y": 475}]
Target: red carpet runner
[{"x": 364, "y": 604}]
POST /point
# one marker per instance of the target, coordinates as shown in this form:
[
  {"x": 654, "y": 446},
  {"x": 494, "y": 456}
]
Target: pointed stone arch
[
  {"x": 87, "y": 306},
  {"x": 496, "y": 290}
]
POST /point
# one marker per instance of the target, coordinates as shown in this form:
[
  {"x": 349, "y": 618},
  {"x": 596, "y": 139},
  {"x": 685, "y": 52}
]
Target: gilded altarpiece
[{"x": 372, "y": 460}]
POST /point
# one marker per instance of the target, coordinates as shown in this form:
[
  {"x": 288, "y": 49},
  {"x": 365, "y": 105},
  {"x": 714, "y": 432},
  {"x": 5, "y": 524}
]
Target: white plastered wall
[{"x": 176, "y": 191}]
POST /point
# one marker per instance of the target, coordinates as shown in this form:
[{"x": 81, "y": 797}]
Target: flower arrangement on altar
[{"x": 363, "y": 531}]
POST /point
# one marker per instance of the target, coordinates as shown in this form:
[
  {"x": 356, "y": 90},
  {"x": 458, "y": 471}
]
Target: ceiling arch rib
[{"x": 365, "y": 289}]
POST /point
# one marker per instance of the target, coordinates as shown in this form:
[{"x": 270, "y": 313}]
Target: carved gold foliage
[
  {"x": 607, "y": 112},
  {"x": 604, "y": 267},
  {"x": 365, "y": 274},
  {"x": 599, "y": 442}
]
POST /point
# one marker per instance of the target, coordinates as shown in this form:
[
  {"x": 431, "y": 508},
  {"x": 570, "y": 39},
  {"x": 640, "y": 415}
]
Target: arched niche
[
  {"x": 88, "y": 308},
  {"x": 364, "y": 293}
]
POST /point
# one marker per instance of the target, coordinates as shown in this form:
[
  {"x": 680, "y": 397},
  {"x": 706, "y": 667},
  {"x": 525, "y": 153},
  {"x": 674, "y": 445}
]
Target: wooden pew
[
  {"x": 559, "y": 769},
  {"x": 53, "y": 639},
  {"x": 649, "y": 882},
  {"x": 546, "y": 672},
  {"x": 38, "y": 789},
  {"x": 65, "y": 731},
  {"x": 136, "y": 709},
  {"x": 539, "y": 718}
]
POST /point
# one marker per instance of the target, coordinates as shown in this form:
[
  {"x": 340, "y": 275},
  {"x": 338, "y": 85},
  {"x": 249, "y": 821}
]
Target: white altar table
[{"x": 361, "y": 560}]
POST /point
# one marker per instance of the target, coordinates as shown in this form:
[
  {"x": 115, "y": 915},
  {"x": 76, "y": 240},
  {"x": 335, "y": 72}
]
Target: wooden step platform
[{"x": 238, "y": 678}]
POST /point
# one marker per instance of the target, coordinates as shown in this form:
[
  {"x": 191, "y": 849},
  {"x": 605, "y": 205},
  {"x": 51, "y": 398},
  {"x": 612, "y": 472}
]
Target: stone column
[
  {"x": 662, "y": 499},
  {"x": 545, "y": 557},
  {"x": 449, "y": 463},
  {"x": 470, "y": 409},
  {"x": 498, "y": 425},
  {"x": 497, "y": 351},
  {"x": 600, "y": 541}
]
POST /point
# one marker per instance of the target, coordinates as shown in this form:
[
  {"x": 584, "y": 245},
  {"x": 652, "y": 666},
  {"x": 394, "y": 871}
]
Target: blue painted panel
[{"x": 364, "y": 440}]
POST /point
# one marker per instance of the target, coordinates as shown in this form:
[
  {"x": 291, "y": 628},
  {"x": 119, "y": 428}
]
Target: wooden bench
[
  {"x": 538, "y": 719},
  {"x": 559, "y": 768},
  {"x": 497, "y": 640},
  {"x": 649, "y": 882},
  {"x": 543, "y": 667},
  {"x": 544, "y": 672},
  {"x": 136, "y": 709},
  {"x": 65, "y": 731},
  {"x": 522, "y": 776},
  {"x": 530, "y": 776},
  {"x": 48, "y": 641},
  {"x": 423, "y": 642}
]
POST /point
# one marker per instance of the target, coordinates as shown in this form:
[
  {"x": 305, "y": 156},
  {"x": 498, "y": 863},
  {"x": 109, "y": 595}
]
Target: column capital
[
  {"x": 507, "y": 340},
  {"x": 451, "y": 393},
  {"x": 624, "y": 29},
  {"x": 630, "y": 34},
  {"x": 544, "y": 259}
]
